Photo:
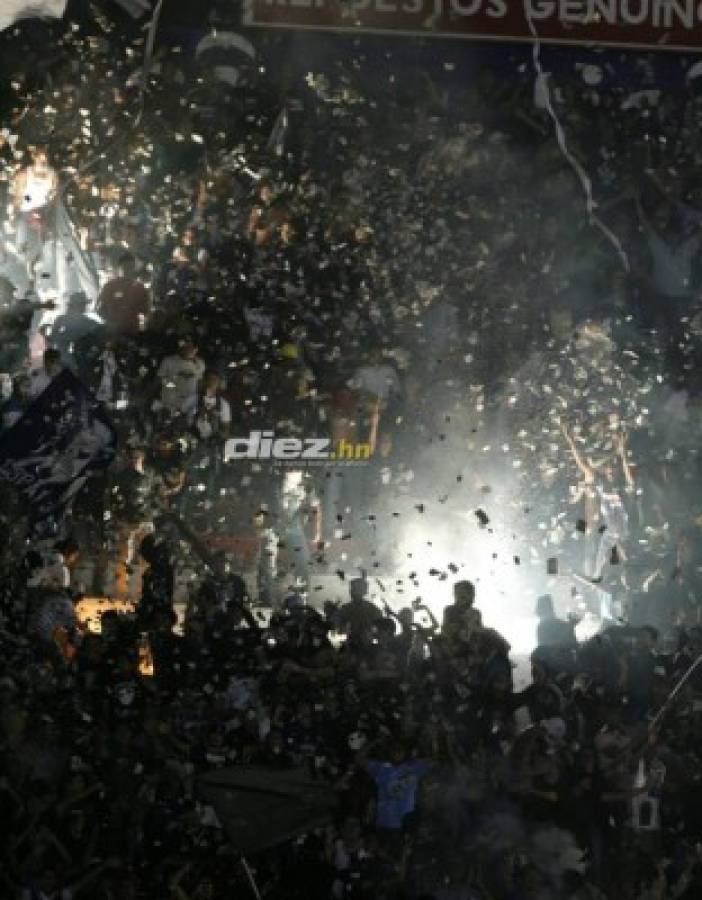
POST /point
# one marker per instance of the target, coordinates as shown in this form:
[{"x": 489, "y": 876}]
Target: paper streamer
[{"x": 543, "y": 91}]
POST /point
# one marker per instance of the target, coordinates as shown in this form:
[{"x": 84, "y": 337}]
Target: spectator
[
  {"x": 460, "y": 619},
  {"x": 14, "y": 408},
  {"x": 180, "y": 376},
  {"x": 356, "y": 618},
  {"x": 72, "y": 327},
  {"x": 212, "y": 415},
  {"x": 124, "y": 303}
]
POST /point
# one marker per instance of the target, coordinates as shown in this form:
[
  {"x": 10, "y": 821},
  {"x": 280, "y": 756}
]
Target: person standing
[
  {"x": 180, "y": 375},
  {"x": 357, "y": 618},
  {"x": 378, "y": 384},
  {"x": 34, "y": 195},
  {"x": 123, "y": 303},
  {"x": 605, "y": 508},
  {"x": 18, "y": 403},
  {"x": 461, "y": 619},
  {"x": 135, "y": 498},
  {"x": 69, "y": 329},
  {"x": 299, "y": 509}
]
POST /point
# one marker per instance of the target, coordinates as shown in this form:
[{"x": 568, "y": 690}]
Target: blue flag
[{"x": 49, "y": 454}]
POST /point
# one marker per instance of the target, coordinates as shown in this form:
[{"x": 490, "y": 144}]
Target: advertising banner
[{"x": 655, "y": 24}]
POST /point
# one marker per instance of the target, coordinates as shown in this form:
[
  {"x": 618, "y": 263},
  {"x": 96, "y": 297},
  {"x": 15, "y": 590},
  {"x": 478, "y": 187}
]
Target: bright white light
[{"x": 506, "y": 590}]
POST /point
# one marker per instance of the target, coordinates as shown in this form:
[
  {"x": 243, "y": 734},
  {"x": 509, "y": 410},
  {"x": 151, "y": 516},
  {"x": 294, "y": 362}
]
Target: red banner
[{"x": 654, "y": 24}]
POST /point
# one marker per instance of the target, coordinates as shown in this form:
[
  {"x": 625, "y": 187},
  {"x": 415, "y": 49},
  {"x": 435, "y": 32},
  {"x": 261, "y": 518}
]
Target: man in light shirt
[
  {"x": 180, "y": 375},
  {"x": 378, "y": 384},
  {"x": 377, "y": 379}
]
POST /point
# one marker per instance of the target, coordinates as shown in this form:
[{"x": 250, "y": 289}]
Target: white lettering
[
  {"x": 266, "y": 444},
  {"x": 634, "y": 18},
  {"x": 603, "y": 9},
  {"x": 287, "y": 448},
  {"x": 573, "y": 11},
  {"x": 540, "y": 9},
  {"x": 242, "y": 448},
  {"x": 472, "y": 7},
  {"x": 497, "y": 9},
  {"x": 317, "y": 448},
  {"x": 683, "y": 12}
]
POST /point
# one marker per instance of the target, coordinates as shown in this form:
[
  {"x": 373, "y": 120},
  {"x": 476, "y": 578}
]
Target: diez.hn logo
[{"x": 265, "y": 445}]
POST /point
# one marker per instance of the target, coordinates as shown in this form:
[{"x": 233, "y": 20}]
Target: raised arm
[
  {"x": 626, "y": 467},
  {"x": 434, "y": 624},
  {"x": 585, "y": 469},
  {"x": 20, "y": 188}
]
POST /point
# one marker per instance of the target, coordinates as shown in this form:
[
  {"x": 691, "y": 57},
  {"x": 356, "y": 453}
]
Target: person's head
[
  {"x": 358, "y": 588},
  {"x": 52, "y": 361},
  {"x": 187, "y": 348},
  {"x": 561, "y": 322},
  {"x": 126, "y": 265},
  {"x": 385, "y": 630},
  {"x": 152, "y": 549},
  {"x": 211, "y": 382},
  {"x": 544, "y": 607},
  {"x": 40, "y": 158},
  {"x": 174, "y": 476},
  {"x": 164, "y": 444},
  {"x": 265, "y": 192},
  {"x": 77, "y": 302},
  {"x": 69, "y": 550},
  {"x": 662, "y": 216},
  {"x": 261, "y": 518},
  {"x": 397, "y": 752},
  {"x": 464, "y": 593},
  {"x": 137, "y": 456}
]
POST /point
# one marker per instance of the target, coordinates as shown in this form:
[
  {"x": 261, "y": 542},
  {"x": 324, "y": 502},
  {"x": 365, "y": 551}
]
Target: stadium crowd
[{"x": 381, "y": 291}]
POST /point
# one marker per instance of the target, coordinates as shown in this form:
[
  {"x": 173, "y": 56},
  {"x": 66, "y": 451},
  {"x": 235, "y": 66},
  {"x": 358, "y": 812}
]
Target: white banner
[{"x": 12, "y": 11}]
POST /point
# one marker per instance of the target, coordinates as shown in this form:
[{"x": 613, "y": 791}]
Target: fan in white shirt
[
  {"x": 180, "y": 376},
  {"x": 210, "y": 413},
  {"x": 377, "y": 379}
]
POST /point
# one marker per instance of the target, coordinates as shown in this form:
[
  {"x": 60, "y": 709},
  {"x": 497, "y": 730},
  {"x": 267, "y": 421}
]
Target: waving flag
[
  {"x": 260, "y": 808},
  {"x": 12, "y": 11},
  {"x": 49, "y": 454}
]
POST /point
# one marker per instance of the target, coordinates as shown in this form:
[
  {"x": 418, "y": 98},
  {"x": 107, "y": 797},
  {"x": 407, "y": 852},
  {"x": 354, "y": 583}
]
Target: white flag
[{"x": 12, "y": 11}]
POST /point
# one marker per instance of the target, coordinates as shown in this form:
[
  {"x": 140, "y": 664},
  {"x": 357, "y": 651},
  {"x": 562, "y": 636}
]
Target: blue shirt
[{"x": 397, "y": 790}]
